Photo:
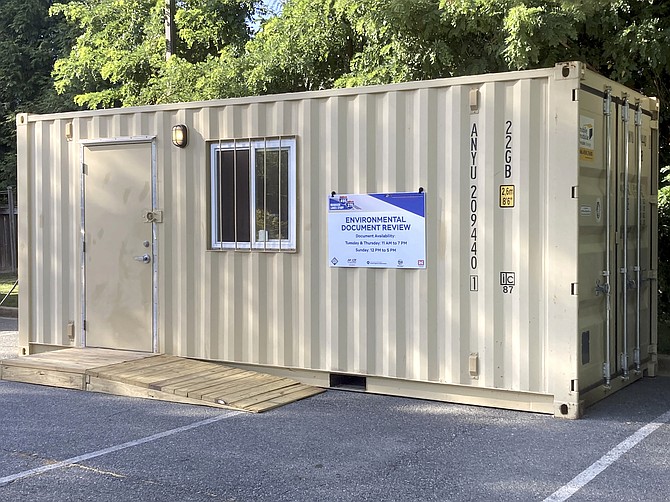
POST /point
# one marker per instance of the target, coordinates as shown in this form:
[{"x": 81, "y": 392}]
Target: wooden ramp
[{"x": 167, "y": 378}]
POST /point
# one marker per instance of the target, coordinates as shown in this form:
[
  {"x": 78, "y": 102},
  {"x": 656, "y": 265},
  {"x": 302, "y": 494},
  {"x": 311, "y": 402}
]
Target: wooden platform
[{"x": 163, "y": 377}]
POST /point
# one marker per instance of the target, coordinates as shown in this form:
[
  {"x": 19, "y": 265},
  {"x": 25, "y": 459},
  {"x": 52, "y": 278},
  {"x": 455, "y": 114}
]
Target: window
[{"x": 253, "y": 194}]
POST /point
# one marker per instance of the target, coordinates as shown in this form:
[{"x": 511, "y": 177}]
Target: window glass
[
  {"x": 253, "y": 199},
  {"x": 272, "y": 201},
  {"x": 234, "y": 221}
]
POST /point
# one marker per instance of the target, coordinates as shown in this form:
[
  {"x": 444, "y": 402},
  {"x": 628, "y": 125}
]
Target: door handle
[{"x": 145, "y": 258}]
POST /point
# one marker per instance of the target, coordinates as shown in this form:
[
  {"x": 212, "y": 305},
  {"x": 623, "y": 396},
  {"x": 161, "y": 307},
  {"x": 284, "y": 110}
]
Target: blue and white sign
[{"x": 377, "y": 230}]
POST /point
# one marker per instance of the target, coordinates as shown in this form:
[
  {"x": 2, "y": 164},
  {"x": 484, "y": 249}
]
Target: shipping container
[{"x": 487, "y": 240}]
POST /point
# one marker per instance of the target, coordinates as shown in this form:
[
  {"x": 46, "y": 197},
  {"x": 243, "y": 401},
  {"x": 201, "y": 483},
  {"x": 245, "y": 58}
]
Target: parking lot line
[
  {"x": 587, "y": 475},
  {"x": 105, "y": 451}
]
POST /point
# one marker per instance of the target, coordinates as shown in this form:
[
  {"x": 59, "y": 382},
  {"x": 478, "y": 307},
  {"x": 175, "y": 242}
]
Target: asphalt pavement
[
  {"x": 63, "y": 445},
  {"x": 9, "y": 337}
]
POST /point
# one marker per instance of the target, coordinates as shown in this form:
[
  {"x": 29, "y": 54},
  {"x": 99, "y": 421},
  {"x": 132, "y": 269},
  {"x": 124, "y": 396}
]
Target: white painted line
[
  {"x": 587, "y": 475},
  {"x": 112, "y": 449}
]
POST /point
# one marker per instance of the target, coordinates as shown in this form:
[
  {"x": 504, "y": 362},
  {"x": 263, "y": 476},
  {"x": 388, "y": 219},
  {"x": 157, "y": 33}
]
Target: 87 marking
[{"x": 507, "y": 281}]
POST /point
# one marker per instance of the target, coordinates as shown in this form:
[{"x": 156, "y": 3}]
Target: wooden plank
[
  {"x": 247, "y": 386},
  {"x": 196, "y": 390},
  {"x": 273, "y": 395},
  {"x": 278, "y": 396},
  {"x": 282, "y": 400},
  {"x": 124, "y": 371},
  {"x": 136, "y": 363},
  {"x": 237, "y": 381},
  {"x": 30, "y": 362},
  {"x": 74, "y": 359},
  {"x": 169, "y": 384},
  {"x": 124, "y": 367},
  {"x": 97, "y": 359},
  {"x": 157, "y": 373},
  {"x": 52, "y": 378},
  {"x": 248, "y": 392},
  {"x": 216, "y": 381},
  {"x": 122, "y": 389}
]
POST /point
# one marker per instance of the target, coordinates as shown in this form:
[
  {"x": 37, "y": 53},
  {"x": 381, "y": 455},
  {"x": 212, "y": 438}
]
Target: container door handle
[{"x": 145, "y": 258}]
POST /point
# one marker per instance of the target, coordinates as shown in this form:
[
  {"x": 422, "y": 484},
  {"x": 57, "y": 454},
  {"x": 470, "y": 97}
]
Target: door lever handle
[{"x": 145, "y": 258}]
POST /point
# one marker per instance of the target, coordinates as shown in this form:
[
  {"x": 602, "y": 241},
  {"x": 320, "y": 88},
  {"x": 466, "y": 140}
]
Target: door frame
[{"x": 120, "y": 140}]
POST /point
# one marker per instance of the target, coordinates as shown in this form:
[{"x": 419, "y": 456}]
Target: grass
[{"x": 6, "y": 283}]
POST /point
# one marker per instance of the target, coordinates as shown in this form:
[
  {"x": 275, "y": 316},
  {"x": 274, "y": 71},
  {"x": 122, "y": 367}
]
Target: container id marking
[{"x": 506, "y": 195}]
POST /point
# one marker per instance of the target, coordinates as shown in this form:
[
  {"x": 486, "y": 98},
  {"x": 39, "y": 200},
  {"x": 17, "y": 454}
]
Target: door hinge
[
  {"x": 83, "y": 247},
  {"x": 84, "y": 324},
  {"x": 84, "y": 168}
]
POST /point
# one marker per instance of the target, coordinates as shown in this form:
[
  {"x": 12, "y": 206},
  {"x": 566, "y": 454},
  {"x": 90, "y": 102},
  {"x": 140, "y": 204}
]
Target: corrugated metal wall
[
  {"x": 292, "y": 309},
  {"x": 459, "y": 139}
]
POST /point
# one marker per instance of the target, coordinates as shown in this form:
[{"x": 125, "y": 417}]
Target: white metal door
[{"x": 118, "y": 246}]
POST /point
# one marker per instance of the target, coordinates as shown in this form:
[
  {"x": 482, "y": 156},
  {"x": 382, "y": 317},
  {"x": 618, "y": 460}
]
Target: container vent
[{"x": 348, "y": 382}]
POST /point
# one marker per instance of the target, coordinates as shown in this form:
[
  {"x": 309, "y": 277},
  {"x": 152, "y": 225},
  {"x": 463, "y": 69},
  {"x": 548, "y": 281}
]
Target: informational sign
[{"x": 378, "y": 230}]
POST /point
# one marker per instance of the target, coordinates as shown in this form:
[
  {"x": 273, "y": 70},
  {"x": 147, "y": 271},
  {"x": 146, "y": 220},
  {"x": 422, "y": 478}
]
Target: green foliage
[
  {"x": 119, "y": 58},
  {"x": 29, "y": 42},
  {"x": 664, "y": 247},
  {"x": 305, "y": 48}
]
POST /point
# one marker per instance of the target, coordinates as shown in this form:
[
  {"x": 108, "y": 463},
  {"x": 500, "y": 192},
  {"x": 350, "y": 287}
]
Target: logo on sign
[
  {"x": 334, "y": 261},
  {"x": 421, "y": 263},
  {"x": 507, "y": 278},
  {"x": 341, "y": 203}
]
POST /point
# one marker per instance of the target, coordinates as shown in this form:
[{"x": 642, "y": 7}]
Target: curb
[{"x": 9, "y": 312}]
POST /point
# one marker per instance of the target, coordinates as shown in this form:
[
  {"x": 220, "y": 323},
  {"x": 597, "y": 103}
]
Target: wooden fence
[{"x": 8, "y": 231}]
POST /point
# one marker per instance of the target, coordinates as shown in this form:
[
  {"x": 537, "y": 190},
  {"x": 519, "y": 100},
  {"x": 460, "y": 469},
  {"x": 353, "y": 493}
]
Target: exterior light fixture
[
  {"x": 68, "y": 131},
  {"x": 179, "y": 135}
]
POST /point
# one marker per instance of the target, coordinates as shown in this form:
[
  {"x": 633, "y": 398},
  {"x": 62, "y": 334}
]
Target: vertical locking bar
[
  {"x": 607, "y": 110},
  {"x": 235, "y": 190},
  {"x": 638, "y": 163},
  {"x": 219, "y": 203},
  {"x": 625, "y": 118},
  {"x": 279, "y": 191},
  {"x": 266, "y": 233}
]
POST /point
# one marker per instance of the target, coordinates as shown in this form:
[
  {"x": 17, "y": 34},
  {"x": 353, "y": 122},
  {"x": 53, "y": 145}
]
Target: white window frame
[{"x": 288, "y": 244}]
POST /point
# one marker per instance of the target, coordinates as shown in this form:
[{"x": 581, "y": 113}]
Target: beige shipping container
[{"x": 538, "y": 287}]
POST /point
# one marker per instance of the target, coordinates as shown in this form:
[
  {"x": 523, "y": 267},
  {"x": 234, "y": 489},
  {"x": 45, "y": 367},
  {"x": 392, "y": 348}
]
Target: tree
[
  {"x": 30, "y": 41},
  {"x": 119, "y": 58},
  {"x": 306, "y": 47}
]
